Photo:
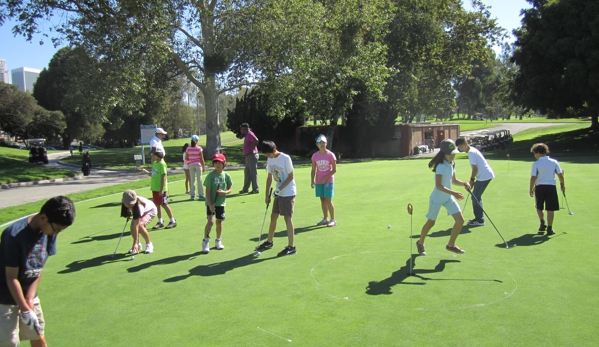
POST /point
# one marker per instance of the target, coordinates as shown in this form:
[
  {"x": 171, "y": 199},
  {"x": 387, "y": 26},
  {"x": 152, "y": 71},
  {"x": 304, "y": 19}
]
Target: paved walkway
[{"x": 35, "y": 191}]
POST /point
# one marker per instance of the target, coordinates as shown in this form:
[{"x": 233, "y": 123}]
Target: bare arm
[
  {"x": 268, "y": 184},
  {"x": 286, "y": 181},
  {"x": 313, "y": 174},
  {"x": 531, "y": 189},
  {"x": 439, "y": 185},
  {"x": 561, "y": 181},
  {"x": 330, "y": 174},
  {"x": 14, "y": 286}
]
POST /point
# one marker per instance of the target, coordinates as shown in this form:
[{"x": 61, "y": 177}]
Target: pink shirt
[
  {"x": 248, "y": 143},
  {"x": 194, "y": 155},
  {"x": 324, "y": 165}
]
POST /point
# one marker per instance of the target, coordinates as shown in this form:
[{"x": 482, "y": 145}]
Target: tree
[
  {"x": 21, "y": 116},
  {"x": 556, "y": 54}
]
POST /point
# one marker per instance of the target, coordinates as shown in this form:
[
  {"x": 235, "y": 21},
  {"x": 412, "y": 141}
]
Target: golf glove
[
  {"x": 277, "y": 192},
  {"x": 30, "y": 318}
]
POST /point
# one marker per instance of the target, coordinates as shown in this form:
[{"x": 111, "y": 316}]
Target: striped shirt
[{"x": 194, "y": 155}]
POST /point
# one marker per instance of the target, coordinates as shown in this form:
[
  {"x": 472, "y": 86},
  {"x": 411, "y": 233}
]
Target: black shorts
[
  {"x": 546, "y": 198},
  {"x": 219, "y": 212}
]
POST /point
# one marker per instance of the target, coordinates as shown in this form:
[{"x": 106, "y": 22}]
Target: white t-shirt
[
  {"x": 280, "y": 168},
  {"x": 484, "y": 172},
  {"x": 545, "y": 170},
  {"x": 156, "y": 142}
]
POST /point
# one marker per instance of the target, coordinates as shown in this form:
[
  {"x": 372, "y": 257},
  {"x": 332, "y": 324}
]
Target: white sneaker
[
  {"x": 219, "y": 244},
  {"x": 149, "y": 248},
  {"x": 324, "y": 221},
  {"x": 206, "y": 246},
  {"x": 332, "y": 223}
]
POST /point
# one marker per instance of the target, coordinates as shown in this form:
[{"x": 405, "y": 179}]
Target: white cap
[
  {"x": 321, "y": 138},
  {"x": 160, "y": 131}
]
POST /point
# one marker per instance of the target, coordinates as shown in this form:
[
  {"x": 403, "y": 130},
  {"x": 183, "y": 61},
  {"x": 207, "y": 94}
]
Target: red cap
[{"x": 219, "y": 157}]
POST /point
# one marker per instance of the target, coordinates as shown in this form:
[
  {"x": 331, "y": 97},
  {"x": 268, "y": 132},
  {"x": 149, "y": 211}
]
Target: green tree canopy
[{"x": 557, "y": 53}]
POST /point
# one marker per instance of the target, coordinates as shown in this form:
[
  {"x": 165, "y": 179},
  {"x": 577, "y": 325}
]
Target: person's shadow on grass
[
  {"x": 399, "y": 276},
  {"x": 109, "y": 204},
  {"x": 91, "y": 238},
  {"x": 529, "y": 240},
  {"x": 283, "y": 233},
  {"x": 164, "y": 261},
  {"x": 219, "y": 268},
  {"x": 443, "y": 233},
  {"x": 79, "y": 265}
]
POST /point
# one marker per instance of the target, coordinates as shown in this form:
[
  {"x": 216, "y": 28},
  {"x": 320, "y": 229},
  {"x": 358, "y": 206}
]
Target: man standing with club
[
  {"x": 481, "y": 176},
  {"x": 250, "y": 151},
  {"x": 156, "y": 141},
  {"x": 24, "y": 248}
]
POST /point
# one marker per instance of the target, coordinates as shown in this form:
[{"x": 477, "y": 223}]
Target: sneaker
[
  {"x": 420, "y": 247},
  {"x": 286, "y": 251},
  {"x": 332, "y": 223},
  {"x": 193, "y": 197},
  {"x": 131, "y": 251},
  {"x": 243, "y": 192},
  {"x": 206, "y": 246},
  {"x": 202, "y": 198},
  {"x": 542, "y": 227},
  {"x": 324, "y": 221},
  {"x": 149, "y": 248},
  {"x": 158, "y": 226},
  {"x": 264, "y": 246},
  {"x": 171, "y": 225},
  {"x": 255, "y": 191},
  {"x": 219, "y": 244},
  {"x": 550, "y": 232},
  {"x": 455, "y": 249},
  {"x": 476, "y": 223}
]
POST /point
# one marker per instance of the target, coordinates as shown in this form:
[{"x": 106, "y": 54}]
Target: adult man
[
  {"x": 156, "y": 141},
  {"x": 482, "y": 174},
  {"x": 24, "y": 248},
  {"x": 250, "y": 150}
]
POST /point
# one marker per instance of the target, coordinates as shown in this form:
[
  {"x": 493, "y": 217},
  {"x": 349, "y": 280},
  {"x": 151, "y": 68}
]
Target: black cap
[{"x": 245, "y": 125}]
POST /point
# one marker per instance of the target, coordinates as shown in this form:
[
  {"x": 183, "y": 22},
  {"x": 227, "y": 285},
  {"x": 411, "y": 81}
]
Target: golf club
[
  {"x": 263, "y": 220},
  {"x": 410, "y": 210},
  {"x": 41, "y": 336},
  {"x": 569, "y": 211},
  {"x": 466, "y": 203},
  {"x": 122, "y": 232},
  {"x": 485, "y": 212}
]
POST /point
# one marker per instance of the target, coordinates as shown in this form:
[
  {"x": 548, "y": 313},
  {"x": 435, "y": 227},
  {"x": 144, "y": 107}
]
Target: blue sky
[{"x": 20, "y": 53}]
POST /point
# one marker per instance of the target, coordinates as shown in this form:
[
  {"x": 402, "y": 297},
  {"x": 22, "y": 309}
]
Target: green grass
[
  {"x": 14, "y": 167},
  {"x": 347, "y": 285}
]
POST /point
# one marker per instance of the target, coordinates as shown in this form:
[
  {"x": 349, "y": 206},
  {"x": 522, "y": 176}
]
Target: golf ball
[
  {"x": 389, "y": 226},
  {"x": 132, "y": 257},
  {"x": 258, "y": 253}
]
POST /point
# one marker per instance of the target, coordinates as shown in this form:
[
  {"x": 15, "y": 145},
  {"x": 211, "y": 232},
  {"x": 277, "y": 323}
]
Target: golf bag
[{"x": 86, "y": 164}]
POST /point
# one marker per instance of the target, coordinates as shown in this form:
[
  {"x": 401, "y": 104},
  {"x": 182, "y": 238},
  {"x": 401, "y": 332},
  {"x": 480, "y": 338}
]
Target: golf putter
[
  {"x": 568, "y": 206},
  {"x": 122, "y": 232},
  {"x": 263, "y": 221},
  {"x": 410, "y": 210},
  {"x": 485, "y": 212}
]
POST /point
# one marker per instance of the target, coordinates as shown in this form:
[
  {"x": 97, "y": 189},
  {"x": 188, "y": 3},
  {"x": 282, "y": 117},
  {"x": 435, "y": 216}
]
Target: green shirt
[
  {"x": 158, "y": 169},
  {"x": 216, "y": 181}
]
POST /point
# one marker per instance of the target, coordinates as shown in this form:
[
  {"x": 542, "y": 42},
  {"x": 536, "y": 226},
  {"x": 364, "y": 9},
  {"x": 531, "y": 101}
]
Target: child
[
  {"x": 24, "y": 248},
  {"x": 279, "y": 167},
  {"x": 215, "y": 200},
  {"x": 186, "y": 169},
  {"x": 142, "y": 211},
  {"x": 324, "y": 167},
  {"x": 159, "y": 188},
  {"x": 542, "y": 185},
  {"x": 443, "y": 166},
  {"x": 481, "y": 176},
  {"x": 195, "y": 157}
]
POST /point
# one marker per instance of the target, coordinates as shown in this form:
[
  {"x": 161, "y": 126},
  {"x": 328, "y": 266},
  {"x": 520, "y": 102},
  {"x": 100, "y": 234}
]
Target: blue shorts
[
  {"x": 326, "y": 190},
  {"x": 451, "y": 205}
]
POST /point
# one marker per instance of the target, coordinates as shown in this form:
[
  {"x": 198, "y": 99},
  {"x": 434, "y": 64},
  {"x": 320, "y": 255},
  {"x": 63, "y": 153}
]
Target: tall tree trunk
[
  {"x": 594, "y": 123},
  {"x": 212, "y": 119}
]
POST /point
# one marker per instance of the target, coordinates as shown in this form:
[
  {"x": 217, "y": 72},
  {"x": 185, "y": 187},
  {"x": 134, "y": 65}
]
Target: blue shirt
[
  {"x": 447, "y": 171},
  {"x": 21, "y": 247}
]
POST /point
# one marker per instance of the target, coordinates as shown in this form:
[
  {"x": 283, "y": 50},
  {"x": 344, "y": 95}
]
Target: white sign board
[{"x": 147, "y": 133}]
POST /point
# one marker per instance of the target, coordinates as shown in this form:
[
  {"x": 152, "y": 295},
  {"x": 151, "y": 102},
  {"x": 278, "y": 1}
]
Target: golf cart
[{"x": 37, "y": 151}]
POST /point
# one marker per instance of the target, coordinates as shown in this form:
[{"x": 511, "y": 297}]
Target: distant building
[
  {"x": 24, "y": 78},
  {"x": 3, "y": 71}
]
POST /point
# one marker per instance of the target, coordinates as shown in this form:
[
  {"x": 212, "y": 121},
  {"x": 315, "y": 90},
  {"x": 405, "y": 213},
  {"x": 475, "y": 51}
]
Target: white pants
[{"x": 195, "y": 177}]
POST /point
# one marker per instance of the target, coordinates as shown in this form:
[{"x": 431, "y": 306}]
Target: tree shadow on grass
[
  {"x": 399, "y": 276},
  {"x": 219, "y": 268},
  {"x": 529, "y": 240}
]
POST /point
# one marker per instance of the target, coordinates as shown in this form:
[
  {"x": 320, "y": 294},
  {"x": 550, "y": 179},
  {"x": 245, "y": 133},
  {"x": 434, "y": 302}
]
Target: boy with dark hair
[
  {"x": 24, "y": 248},
  {"x": 280, "y": 168},
  {"x": 159, "y": 187},
  {"x": 142, "y": 211},
  {"x": 481, "y": 176},
  {"x": 543, "y": 187},
  {"x": 218, "y": 185}
]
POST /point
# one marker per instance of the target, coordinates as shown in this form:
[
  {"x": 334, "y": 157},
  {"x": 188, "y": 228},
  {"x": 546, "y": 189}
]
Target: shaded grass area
[
  {"x": 346, "y": 286},
  {"x": 573, "y": 142},
  {"x": 14, "y": 167}
]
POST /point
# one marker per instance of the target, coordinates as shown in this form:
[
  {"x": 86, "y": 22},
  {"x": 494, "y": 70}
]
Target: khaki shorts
[
  {"x": 13, "y": 330},
  {"x": 283, "y": 205}
]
